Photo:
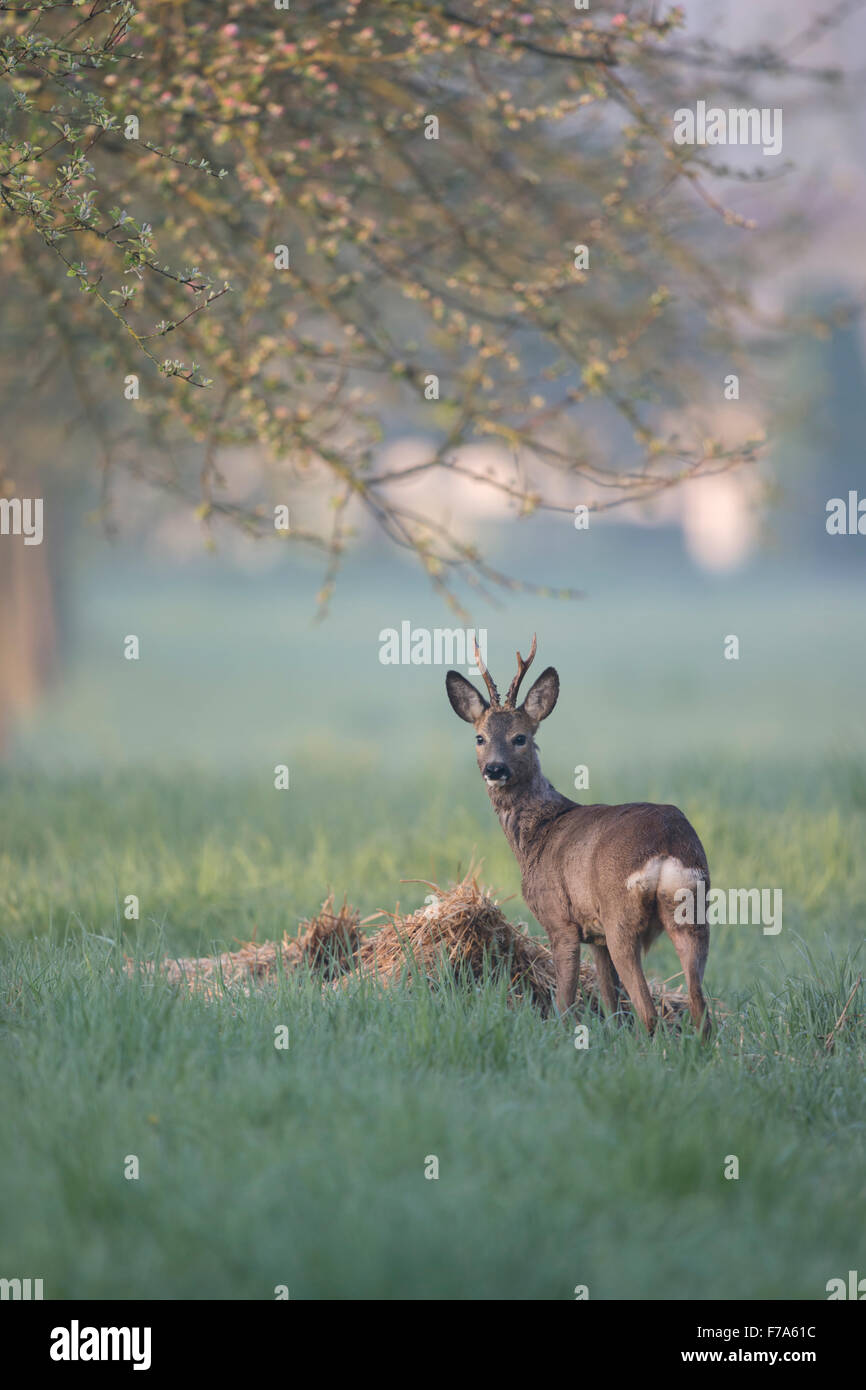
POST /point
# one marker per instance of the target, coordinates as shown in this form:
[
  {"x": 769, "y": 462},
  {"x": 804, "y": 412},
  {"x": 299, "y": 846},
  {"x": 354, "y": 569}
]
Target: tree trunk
[{"x": 28, "y": 628}]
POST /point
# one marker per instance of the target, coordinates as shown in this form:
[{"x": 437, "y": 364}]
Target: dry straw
[
  {"x": 461, "y": 936},
  {"x": 325, "y": 943}
]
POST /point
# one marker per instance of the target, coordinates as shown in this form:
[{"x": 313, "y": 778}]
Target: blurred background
[{"x": 237, "y": 675}]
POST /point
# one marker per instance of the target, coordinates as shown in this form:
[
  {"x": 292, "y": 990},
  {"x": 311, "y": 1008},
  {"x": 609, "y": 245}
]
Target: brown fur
[{"x": 604, "y": 875}]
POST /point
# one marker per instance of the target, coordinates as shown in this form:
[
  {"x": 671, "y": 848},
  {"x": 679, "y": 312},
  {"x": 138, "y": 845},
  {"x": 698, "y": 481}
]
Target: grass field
[{"x": 305, "y": 1167}]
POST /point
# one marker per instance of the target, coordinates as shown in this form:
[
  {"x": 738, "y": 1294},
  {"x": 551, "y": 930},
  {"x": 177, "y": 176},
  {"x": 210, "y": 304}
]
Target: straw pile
[
  {"x": 325, "y": 943},
  {"x": 460, "y": 936}
]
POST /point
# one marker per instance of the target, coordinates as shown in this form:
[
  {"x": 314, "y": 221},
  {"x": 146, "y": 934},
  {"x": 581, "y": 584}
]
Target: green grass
[{"x": 305, "y": 1167}]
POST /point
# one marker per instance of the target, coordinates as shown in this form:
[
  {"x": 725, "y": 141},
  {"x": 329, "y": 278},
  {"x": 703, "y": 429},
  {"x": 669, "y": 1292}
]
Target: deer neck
[{"x": 525, "y": 811}]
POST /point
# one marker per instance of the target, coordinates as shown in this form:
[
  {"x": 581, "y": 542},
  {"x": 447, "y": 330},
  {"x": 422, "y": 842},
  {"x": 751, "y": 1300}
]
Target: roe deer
[{"x": 606, "y": 875}]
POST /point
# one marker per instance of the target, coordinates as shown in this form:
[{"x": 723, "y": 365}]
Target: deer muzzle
[{"x": 496, "y": 772}]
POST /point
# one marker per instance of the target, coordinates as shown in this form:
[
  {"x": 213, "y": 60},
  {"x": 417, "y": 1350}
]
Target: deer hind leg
[
  {"x": 624, "y": 945},
  {"x": 691, "y": 939},
  {"x": 609, "y": 986},
  {"x": 692, "y": 945}
]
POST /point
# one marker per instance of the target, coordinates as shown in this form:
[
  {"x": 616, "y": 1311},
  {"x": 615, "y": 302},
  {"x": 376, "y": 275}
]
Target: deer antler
[
  {"x": 522, "y": 668},
  {"x": 488, "y": 679}
]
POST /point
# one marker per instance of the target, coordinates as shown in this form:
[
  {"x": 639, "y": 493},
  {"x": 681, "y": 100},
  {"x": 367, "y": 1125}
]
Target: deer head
[{"x": 504, "y": 733}]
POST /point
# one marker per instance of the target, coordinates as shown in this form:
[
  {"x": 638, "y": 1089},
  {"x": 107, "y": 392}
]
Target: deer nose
[{"x": 496, "y": 772}]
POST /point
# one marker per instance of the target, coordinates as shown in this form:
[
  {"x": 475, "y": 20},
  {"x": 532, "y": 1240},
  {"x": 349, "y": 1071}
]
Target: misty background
[{"x": 235, "y": 673}]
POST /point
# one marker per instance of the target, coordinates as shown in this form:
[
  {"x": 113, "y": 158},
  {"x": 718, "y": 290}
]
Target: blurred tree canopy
[{"x": 287, "y": 221}]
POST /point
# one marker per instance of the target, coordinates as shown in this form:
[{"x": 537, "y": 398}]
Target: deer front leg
[{"x": 565, "y": 948}]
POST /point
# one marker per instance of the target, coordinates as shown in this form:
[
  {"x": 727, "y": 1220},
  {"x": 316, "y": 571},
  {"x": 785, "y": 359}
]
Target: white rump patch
[{"x": 663, "y": 874}]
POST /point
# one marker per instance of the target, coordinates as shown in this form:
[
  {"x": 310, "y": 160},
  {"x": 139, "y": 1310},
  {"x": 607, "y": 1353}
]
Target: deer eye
[
  {"x": 519, "y": 740},
  {"x": 479, "y": 738}
]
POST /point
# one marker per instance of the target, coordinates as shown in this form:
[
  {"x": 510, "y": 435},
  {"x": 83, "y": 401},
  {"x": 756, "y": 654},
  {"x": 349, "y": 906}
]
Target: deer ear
[
  {"x": 465, "y": 699},
  {"x": 543, "y": 696}
]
